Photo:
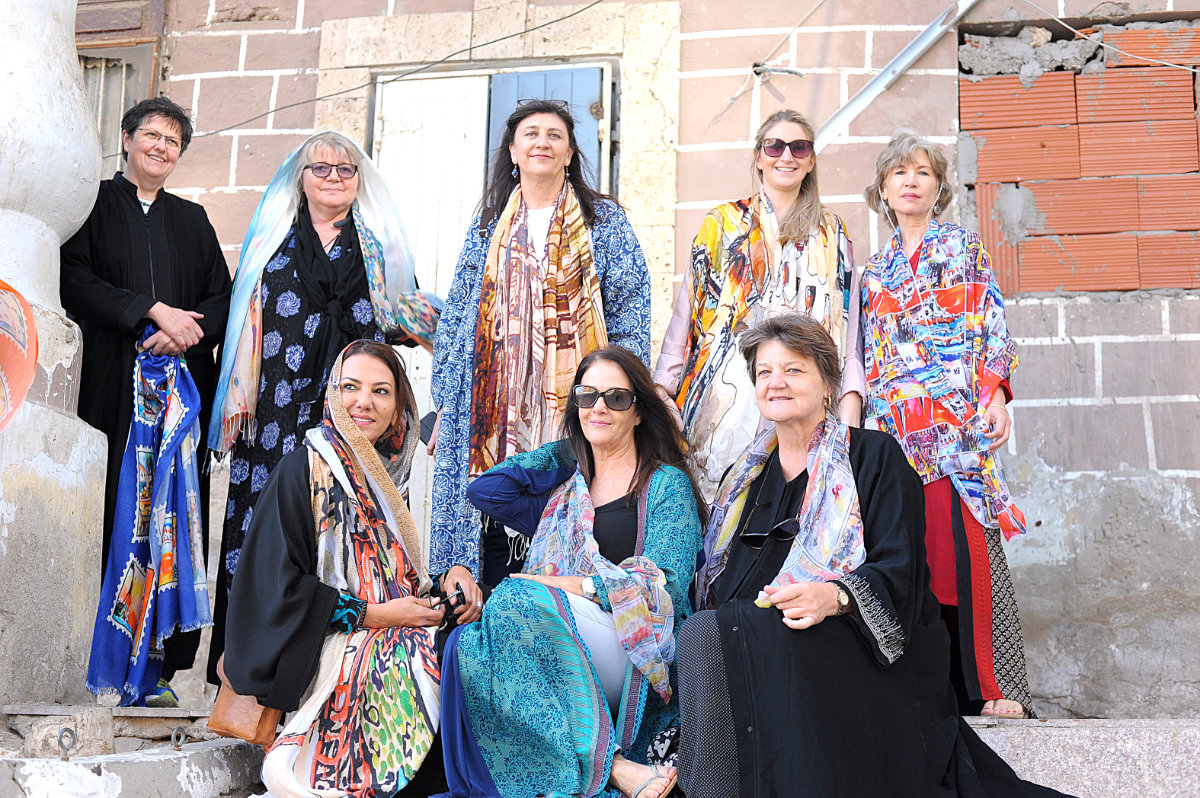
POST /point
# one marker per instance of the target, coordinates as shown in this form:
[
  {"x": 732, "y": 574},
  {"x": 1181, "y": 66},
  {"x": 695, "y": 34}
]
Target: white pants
[{"x": 599, "y": 633}]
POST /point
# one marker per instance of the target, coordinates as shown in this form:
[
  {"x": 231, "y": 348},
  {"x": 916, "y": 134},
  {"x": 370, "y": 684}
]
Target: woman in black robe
[
  {"x": 331, "y": 614},
  {"x": 820, "y": 666}
]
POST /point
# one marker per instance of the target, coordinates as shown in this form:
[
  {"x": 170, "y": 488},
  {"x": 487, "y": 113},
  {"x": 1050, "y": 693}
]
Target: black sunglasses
[
  {"x": 617, "y": 399},
  {"x": 561, "y": 104},
  {"x": 783, "y": 531},
  {"x": 322, "y": 170},
  {"x": 773, "y": 148}
]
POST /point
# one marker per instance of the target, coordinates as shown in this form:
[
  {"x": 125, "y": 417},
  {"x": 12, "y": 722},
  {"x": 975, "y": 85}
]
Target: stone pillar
[{"x": 51, "y": 463}]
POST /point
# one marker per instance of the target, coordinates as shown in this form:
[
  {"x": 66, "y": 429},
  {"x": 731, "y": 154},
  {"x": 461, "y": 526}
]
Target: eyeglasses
[
  {"x": 783, "y": 531},
  {"x": 322, "y": 170},
  {"x": 153, "y": 136},
  {"x": 773, "y": 148},
  {"x": 616, "y": 399},
  {"x": 560, "y": 104}
]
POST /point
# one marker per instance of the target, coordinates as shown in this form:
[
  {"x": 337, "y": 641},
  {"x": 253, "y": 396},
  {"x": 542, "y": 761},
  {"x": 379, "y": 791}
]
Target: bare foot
[
  {"x": 1004, "y": 708},
  {"x": 628, "y": 777}
]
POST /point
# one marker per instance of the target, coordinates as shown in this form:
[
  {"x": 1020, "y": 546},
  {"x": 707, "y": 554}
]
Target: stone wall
[{"x": 1104, "y": 458}]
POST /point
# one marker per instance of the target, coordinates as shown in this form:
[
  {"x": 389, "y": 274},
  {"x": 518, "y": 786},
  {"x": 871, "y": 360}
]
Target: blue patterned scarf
[{"x": 154, "y": 584}]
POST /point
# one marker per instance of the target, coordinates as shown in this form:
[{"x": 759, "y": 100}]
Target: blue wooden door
[{"x": 580, "y": 87}]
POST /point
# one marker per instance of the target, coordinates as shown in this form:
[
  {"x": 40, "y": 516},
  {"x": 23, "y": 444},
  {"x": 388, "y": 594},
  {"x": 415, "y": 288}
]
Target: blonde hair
[
  {"x": 328, "y": 140},
  {"x": 902, "y": 150},
  {"x": 804, "y": 217}
]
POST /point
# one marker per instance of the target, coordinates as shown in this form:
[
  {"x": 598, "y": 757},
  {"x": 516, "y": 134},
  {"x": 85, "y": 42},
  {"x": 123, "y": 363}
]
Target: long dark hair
[
  {"x": 657, "y": 439},
  {"x": 501, "y": 182}
]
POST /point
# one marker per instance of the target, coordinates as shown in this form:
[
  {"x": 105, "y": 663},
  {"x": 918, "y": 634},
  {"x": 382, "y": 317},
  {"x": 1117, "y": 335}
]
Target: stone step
[
  {"x": 1101, "y": 758},
  {"x": 207, "y": 769}
]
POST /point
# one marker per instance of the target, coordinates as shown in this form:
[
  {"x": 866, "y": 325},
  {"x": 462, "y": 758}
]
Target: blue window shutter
[{"x": 580, "y": 87}]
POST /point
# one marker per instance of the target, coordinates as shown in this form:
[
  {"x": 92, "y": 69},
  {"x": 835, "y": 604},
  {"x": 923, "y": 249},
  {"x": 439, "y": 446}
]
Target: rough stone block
[
  {"x": 600, "y": 29},
  {"x": 1031, "y": 319},
  {"x": 347, "y": 112},
  {"x": 192, "y": 54},
  {"x": 715, "y": 176},
  {"x": 856, "y": 218},
  {"x": 1183, "y": 315},
  {"x": 886, "y": 45},
  {"x": 60, "y": 350},
  {"x": 1055, "y": 371},
  {"x": 706, "y": 115},
  {"x": 902, "y": 105},
  {"x": 317, "y": 11},
  {"x": 847, "y": 169},
  {"x": 1132, "y": 314},
  {"x": 92, "y": 730},
  {"x": 1176, "y": 442},
  {"x": 1087, "y": 438},
  {"x": 226, "y": 102},
  {"x": 826, "y": 50},
  {"x": 230, "y": 213},
  {"x": 205, "y": 165},
  {"x": 295, "y": 89},
  {"x": 1150, "y": 368},
  {"x": 290, "y": 50},
  {"x": 409, "y": 39},
  {"x": 731, "y": 52},
  {"x": 241, "y": 15},
  {"x": 494, "y": 19},
  {"x": 259, "y": 157},
  {"x": 687, "y": 224}
]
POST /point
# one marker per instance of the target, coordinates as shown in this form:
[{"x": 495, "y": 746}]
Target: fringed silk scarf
[
  {"x": 637, "y": 590},
  {"x": 741, "y": 274},
  {"x": 154, "y": 582},
  {"x": 535, "y": 325},
  {"x": 829, "y": 544},
  {"x": 937, "y": 348},
  {"x": 370, "y": 717}
]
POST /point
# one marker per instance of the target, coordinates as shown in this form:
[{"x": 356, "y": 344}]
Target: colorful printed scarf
[
  {"x": 937, "y": 348},
  {"x": 740, "y": 275},
  {"x": 370, "y": 718},
  {"x": 534, "y": 327},
  {"x": 830, "y": 542},
  {"x": 154, "y": 582},
  {"x": 403, "y": 313},
  {"x": 637, "y": 590},
  {"x": 18, "y": 351}
]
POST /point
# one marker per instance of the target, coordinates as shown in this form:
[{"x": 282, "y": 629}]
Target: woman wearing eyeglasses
[
  {"x": 550, "y": 271},
  {"x": 776, "y": 251},
  {"x": 568, "y": 677},
  {"x": 939, "y": 357},
  {"x": 818, "y": 664},
  {"x": 325, "y": 262}
]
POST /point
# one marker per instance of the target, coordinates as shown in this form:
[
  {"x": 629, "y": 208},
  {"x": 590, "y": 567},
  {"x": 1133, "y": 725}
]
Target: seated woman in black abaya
[{"x": 819, "y": 667}]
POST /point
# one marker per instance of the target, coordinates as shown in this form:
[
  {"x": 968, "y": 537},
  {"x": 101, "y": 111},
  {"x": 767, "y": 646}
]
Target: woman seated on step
[{"x": 563, "y": 685}]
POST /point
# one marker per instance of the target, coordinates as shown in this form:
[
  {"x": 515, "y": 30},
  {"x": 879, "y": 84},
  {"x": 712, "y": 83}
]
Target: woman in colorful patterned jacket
[
  {"x": 776, "y": 251},
  {"x": 330, "y": 615},
  {"x": 569, "y": 677},
  {"x": 550, "y": 271},
  {"x": 325, "y": 262},
  {"x": 938, "y": 358}
]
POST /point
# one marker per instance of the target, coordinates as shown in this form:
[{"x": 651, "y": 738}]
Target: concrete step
[{"x": 1101, "y": 758}]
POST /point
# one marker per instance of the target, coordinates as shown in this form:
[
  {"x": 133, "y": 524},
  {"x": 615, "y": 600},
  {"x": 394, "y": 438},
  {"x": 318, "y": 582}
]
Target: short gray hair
[
  {"x": 803, "y": 335},
  {"x": 901, "y": 150}
]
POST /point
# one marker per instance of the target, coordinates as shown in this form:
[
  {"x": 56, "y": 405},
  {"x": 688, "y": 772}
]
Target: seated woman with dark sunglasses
[
  {"x": 776, "y": 251},
  {"x": 820, "y": 664},
  {"x": 569, "y": 676}
]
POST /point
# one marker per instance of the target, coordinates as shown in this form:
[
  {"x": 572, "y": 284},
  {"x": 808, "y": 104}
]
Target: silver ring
[{"x": 478, "y": 603}]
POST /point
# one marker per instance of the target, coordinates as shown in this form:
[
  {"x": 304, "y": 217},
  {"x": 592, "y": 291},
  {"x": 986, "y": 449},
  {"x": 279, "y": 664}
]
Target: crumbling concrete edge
[{"x": 199, "y": 770}]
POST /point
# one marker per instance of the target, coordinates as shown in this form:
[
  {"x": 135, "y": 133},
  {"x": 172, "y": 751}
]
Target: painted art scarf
[
  {"x": 369, "y": 719},
  {"x": 402, "y": 312},
  {"x": 18, "y": 351},
  {"x": 154, "y": 582},
  {"x": 533, "y": 330},
  {"x": 937, "y": 348},
  {"x": 830, "y": 542},
  {"x": 637, "y": 590},
  {"x": 740, "y": 275}
]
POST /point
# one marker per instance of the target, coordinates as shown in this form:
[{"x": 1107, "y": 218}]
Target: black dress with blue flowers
[{"x": 313, "y": 305}]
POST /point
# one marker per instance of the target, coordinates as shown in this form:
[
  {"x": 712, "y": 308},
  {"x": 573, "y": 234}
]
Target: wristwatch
[
  {"x": 589, "y": 588},
  {"x": 843, "y": 599}
]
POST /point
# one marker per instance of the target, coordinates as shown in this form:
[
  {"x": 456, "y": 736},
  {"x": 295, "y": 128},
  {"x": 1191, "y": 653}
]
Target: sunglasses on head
[
  {"x": 614, "y": 398},
  {"x": 783, "y": 531},
  {"x": 773, "y": 148},
  {"x": 560, "y": 104},
  {"x": 322, "y": 170}
]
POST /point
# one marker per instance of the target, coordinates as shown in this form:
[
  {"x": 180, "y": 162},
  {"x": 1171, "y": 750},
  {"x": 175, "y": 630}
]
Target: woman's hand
[
  {"x": 672, "y": 408},
  {"x": 431, "y": 447},
  {"x": 404, "y": 611},
  {"x": 998, "y": 422},
  {"x": 804, "y": 604},
  {"x": 571, "y": 584},
  {"x": 178, "y": 325},
  {"x": 471, "y": 607}
]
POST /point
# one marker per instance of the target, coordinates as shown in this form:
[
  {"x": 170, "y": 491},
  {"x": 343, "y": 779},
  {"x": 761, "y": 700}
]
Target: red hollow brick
[
  {"x": 1168, "y": 202},
  {"x": 1097, "y": 205},
  {"x": 1003, "y": 254},
  {"x": 1180, "y": 46},
  {"x": 1131, "y": 95},
  {"x": 1169, "y": 260},
  {"x": 1106, "y": 262},
  {"x": 1138, "y": 148},
  {"x": 1039, "y": 153},
  {"x": 1004, "y": 102}
]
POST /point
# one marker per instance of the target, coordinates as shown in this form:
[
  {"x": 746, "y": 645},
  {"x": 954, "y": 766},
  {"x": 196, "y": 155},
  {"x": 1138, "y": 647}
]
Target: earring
[
  {"x": 828, "y": 403},
  {"x": 514, "y": 171},
  {"x": 568, "y": 173}
]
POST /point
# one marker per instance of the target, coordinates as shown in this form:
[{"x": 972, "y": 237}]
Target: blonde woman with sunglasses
[{"x": 776, "y": 251}]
